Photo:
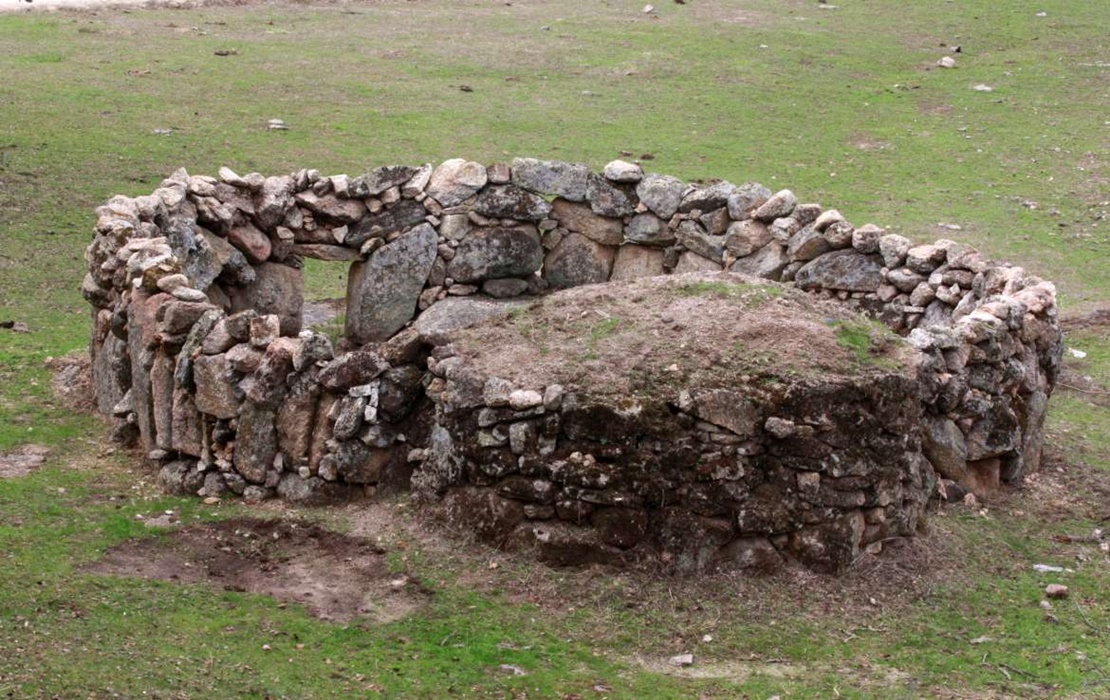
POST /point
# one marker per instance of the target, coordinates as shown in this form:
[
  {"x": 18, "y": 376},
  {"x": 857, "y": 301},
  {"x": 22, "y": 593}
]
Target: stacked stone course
[{"x": 199, "y": 353}]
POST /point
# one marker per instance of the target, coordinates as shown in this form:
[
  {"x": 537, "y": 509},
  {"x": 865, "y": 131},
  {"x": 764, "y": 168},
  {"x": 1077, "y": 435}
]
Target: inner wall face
[{"x": 198, "y": 351}]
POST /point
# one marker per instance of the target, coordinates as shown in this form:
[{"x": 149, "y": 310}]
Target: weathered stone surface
[
  {"x": 161, "y": 388},
  {"x": 322, "y": 251},
  {"x": 273, "y": 200},
  {"x": 580, "y": 218},
  {"x": 436, "y": 324},
  {"x": 637, "y": 261},
  {"x": 111, "y": 372},
  {"x": 357, "y": 463},
  {"x": 332, "y": 209},
  {"x": 277, "y": 289},
  {"x": 707, "y": 198},
  {"x": 382, "y": 291},
  {"x": 455, "y": 180},
  {"x": 187, "y": 431},
  {"x": 697, "y": 240},
  {"x": 893, "y": 249},
  {"x": 661, "y": 194},
  {"x": 505, "y": 288},
  {"x": 381, "y": 179},
  {"x": 496, "y": 252},
  {"x": 398, "y": 217},
  {"x": 692, "y": 262},
  {"x": 649, "y": 229},
  {"x": 352, "y": 369},
  {"x": 728, "y": 409},
  {"x": 842, "y": 269},
  {"x": 567, "y": 180},
  {"x": 807, "y": 245},
  {"x": 256, "y": 443},
  {"x": 179, "y": 316},
  {"x": 944, "y": 446},
  {"x": 608, "y": 199},
  {"x": 296, "y": 417},
  {"x": 510, "y": 202},
  {"x": 578, "y": 260},
  {"x": 745, "y": 199},
  {"x": 216, "y": 386},
  {"x": 865, "y": 239},
  {"x": 780, "y": 204},
  {"x": 768, "y": 262},
  {"x": 621, "y": 171},
  {"x": 746, "y": 237},
  {"x": 228, "y": 264}
]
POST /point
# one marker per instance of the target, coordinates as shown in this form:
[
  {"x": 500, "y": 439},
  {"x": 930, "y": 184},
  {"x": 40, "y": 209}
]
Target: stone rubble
[{"x": 199, "y": 354}]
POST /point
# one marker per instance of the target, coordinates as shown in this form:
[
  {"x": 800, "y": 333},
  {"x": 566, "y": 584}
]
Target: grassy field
[{"x": 844, "y": 105}]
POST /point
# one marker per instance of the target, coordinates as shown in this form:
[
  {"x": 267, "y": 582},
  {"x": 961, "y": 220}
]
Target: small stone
[
  {"x": 523, "y": 399},
  {"x": 947, "y": 62},
  {"x": 681, "y": 660},
  {"x": 1056, "y": 591},
  {"x": 622, "y": 171}
]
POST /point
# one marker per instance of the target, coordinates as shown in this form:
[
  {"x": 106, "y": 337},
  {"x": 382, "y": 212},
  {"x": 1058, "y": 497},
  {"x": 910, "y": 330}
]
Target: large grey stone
[
  {"x": 635, "y": 261},
  {"x": 295, "y": 418},
  {"x": 228, "y": 264},
  {"x": 398, "y": 217},
  {"x": 780, "y": 204},
  {"x": 607, "y": 199},
  {"x": 649, "y": 229},
  {"x": 186, "y": 433},
  {"x": 256, "y": 443},
  {"x": 745, "y": 199},
  {"x": 496, "y": 252},
  {"x": 352, "y": 369},
  {"x": 277, "y": 289},
  {"x": 331, "y": 208},
  {"x": 381, "y": 179},
  {"x": 453, "y": 313},
  {"x": 807, "y": 244},
  {"x": 580, "y": 218},
  {"x": 456, "y": 180},
  {"x": 111, "y": 372},
  {"x": 577, "y": 260},
  {"x": 215, "y": 382},
  {"x": 841, "y": 269},
  {"x": 746, "y": 237},
  {"x": 661, "y": 194},
  {"x": 768, "y": 262},
  {"x": 567, "y": 180},
  {"x": 382, "y": 291},
  {"x": 697, "y": 240},
  {"x": 944, "y": 446},
  {"x": 273, "y": 200},
  {"x": 511, "y": 202},
  {"x": 707, "y": 198}
]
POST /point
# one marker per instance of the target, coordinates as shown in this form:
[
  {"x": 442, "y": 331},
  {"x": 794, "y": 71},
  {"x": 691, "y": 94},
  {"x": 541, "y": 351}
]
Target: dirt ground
[
  {"x": 335, "y": 577},
  {"x": 692, "y": 329}
]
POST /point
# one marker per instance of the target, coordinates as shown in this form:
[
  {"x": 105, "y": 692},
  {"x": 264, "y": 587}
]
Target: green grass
[{"x": 844, "y": 106}]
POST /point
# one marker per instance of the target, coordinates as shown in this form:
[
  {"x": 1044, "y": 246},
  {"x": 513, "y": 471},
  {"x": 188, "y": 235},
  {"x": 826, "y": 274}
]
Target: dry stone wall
[{"x": 199, "y": 353}]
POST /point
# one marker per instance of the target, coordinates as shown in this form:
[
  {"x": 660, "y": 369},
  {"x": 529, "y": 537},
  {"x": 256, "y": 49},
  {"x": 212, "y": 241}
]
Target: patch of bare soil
[
  {"x": 334, "y": 576},
  {"x": 22, "y": 460},
  {"x": 72, "y": 381},
  {"x": 680, "y": 330}
]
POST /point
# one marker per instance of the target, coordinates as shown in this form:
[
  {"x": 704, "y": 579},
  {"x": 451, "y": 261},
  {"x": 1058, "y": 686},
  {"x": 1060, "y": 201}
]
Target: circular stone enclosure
[{"x": 730, "y": 378}]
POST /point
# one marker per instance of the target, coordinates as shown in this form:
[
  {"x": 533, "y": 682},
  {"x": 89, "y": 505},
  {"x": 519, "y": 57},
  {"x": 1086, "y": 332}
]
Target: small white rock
[{"x": 523, "y": 399}]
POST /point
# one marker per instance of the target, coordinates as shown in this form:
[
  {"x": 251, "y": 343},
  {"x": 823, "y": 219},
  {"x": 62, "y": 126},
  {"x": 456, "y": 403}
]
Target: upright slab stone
[
  {"x": 382, "y": 291},
  {"x": 578, "y": 260},
  {"x": 637, "y": 261},
  {"x": 256, "y": 443},
  {"x": 277, "y": 289}
]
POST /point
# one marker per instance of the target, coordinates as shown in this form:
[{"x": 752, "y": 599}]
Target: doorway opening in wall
[{"x": 325, "y": 297}]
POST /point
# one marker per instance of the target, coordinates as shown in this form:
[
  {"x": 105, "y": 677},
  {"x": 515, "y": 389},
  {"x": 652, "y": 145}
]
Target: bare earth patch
[
  {"x": 334, "y": 576},
  {"x": 22, "y": 460}
]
